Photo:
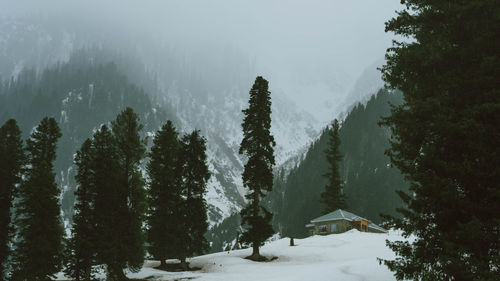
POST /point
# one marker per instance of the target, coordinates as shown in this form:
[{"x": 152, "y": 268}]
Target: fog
[{"x": 312, "y": 51}]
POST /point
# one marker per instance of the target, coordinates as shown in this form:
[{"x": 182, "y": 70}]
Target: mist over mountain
[
  {"x": 183, "y": 61},
  {"x": 311, "y": 51}
]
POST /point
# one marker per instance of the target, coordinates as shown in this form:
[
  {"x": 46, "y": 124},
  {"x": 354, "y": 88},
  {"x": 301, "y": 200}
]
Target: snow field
[{"x": 350, "y": 256}]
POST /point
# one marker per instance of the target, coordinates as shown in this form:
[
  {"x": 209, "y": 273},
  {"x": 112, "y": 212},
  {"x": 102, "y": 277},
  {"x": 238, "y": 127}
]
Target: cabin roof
[
  {"x": 344, "y": 215},
  {"x": 339, "y": 215},
  {"x": 376, "y": 227}
]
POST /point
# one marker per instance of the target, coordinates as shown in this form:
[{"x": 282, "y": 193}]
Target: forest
[{"x": 206, "y": 141}]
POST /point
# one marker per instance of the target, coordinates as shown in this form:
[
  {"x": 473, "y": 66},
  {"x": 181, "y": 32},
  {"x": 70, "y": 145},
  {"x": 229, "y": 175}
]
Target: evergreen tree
[
  {"x": 11, "y": 161},
  {"x": 333, "y": 196},
  {"x": 131, "y": 150},
  {"x": 370, "y": 182},
  {"x": 257, "y": 145},
  {"x": 81, "y": 246},
  {"x": 38, "y": 247},
  {"x": 166, "y": 207},
  {"x": 446, "y": 139},
  {"x": 110, "y": 206},
  {"x": 194, "y": 183}
]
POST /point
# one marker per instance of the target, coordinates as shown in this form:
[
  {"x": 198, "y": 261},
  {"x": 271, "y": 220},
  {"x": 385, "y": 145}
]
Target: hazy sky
[{"x": 311, "y": 50}]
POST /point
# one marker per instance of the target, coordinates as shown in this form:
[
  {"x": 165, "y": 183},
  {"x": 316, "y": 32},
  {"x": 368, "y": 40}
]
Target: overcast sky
[{"x": 311, "y": 50}]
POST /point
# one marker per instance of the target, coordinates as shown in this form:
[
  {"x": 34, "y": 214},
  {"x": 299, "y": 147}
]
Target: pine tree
[
  {"x": 131, "y": 151},
  {"x": 445, "y": 139},
  {"x": 333, "y": 196},
  {"x": 81, "y": 245},
  {"x": 166, "y": 207},
  {"x": 195, "y": 176},
  {"x": 257, "y": 145},
  {"x": 38, "y": 249},
  {"x": 110, "y": 205},
  {"x": 11, "y": 161}
]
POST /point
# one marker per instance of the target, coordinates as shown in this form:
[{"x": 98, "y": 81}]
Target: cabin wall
[{"x": 329, "y": 227}]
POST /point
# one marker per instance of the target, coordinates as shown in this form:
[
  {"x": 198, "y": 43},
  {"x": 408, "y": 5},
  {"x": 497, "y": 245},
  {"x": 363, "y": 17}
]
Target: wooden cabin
[{"x": 341, "y": 221}]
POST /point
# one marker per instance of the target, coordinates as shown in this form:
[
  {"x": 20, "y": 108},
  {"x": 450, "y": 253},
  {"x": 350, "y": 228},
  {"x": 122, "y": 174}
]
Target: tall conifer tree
[
  {"x": 82, "y": 244},
  {"x": 333, "y": 196},
  {"x": 195, "y": 176},
  {"x": 131, "y": 151},
  {"x": 446, "y": 139},
  {"x": 166, "y": 208},
  {"x": 11, "y": 161},
  {"x": 110, "y": 206},
  {"x": 258, "y": 145},
  {"x": 38, "y": 249}
]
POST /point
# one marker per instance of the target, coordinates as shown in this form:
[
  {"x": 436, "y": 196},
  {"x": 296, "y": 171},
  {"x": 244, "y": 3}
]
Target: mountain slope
[
  {"x": 81, "y": 96},
  {"x": 370, "y": 182},
  {"x": 90, "y": 89}
]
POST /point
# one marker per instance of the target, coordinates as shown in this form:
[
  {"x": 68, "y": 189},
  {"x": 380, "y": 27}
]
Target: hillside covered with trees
[{"x": 369, "y": 180}]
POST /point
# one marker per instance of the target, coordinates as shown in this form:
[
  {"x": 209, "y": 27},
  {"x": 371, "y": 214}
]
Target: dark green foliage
[
  {"x": 257, "y": 145},
  {"x": 81, "y": 246},
  {"x": 446, "y": 139},
  {"x": 333, "y": 196},
  {"x": 110, "y": 201},
  {"x": 177, "y": 216},
  {"x": 369, "y": 181},
  {"x": 111, "y": 212},
  {"x": 223, "y": 233},
  {"x": 195, "y": 176},
  {"x": 166, "y": 207},
  {"x": 38, "y": 249},
  {"x": 11, "y": 161},
  {"x": 130, "y": 186},
  {"x": 87, "y": 91}
]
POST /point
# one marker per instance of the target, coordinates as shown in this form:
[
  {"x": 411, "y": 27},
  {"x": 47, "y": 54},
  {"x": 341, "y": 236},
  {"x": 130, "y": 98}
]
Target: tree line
[{"x": 119, "y": 215}]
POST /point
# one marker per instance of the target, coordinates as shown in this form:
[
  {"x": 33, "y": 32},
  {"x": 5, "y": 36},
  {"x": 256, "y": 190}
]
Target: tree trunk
[
  {"x": 256, "y": 252},
  {"x": 184, "y": 264},
  {"x": 237, "y": 243},
  {"x": 116, "y": 274},
  {"x": 162, "y": 263}
]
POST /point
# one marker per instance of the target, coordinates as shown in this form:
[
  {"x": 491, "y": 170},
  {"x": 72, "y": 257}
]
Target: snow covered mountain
[{"x": 198, "y": 93}]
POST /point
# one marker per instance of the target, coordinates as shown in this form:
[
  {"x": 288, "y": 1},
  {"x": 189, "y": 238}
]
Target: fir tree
[
  {"x": 445, "y": 139},
  {"x": 38, "y": 249},
  {"x": 194, "y": 183},
  {"x": 131, "y": 150},
  {"x": 81, "y": 246},
  {"x": 333, "y": 196},
  {"x": 166, "y": 208},
  {"x": 110, "y": 206},
  {"x": 257, "y": 145},
  {"x": 11, "y": 161}
]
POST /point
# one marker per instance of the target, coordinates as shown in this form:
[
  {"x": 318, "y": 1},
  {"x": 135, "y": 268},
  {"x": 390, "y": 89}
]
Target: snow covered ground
[{"x": 347, "y": 256}]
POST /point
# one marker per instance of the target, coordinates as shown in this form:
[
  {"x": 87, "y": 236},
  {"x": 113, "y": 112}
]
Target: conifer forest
[{"x": 249, "y": 140}]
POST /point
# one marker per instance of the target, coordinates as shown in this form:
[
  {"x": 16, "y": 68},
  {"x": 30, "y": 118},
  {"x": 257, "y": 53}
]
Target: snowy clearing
[{"x": 347, "y": 256}]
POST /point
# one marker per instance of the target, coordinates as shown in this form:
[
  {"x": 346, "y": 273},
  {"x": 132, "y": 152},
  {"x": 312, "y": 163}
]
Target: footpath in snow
[{"x": 347, "y": 256}]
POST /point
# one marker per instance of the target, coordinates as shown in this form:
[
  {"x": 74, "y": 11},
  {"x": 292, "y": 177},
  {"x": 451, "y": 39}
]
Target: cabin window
[
  {"x": 334, "y": 228},
  {"x": 322, "y": 228}
]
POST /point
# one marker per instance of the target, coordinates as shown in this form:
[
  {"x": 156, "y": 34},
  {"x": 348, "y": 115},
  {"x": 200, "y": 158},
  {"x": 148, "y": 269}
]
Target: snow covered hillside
[
  {"x": 347, "y": 256},
  {"x": 186, "y": 86}
]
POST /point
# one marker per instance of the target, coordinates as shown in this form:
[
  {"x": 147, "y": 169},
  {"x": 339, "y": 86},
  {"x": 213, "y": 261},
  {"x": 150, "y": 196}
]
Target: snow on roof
[
  {"x": 339, "y": 215},
  {"x": 345, "y": 215},
  {"x": 376, "y": 227}
]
